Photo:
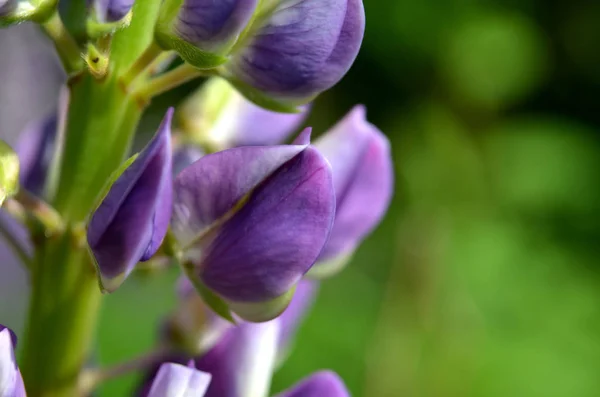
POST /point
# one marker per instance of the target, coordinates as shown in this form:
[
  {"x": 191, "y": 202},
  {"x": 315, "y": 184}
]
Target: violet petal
[
  {"x": 132, "y": 220},
  {"x": 211, "y": 25},
  {"x": 320, "y": 384},
  {"x": 176, "y": 380},
  {"x": 363, "y": 178}
]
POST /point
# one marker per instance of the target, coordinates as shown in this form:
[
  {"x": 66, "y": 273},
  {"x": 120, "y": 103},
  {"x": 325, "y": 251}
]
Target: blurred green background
[{"x": 483, "y": 280}]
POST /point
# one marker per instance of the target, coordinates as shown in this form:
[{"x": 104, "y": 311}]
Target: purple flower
[
  {"x": 253, "y": 221},
  {"x": 363, "y": 178},
  {"x": 35, "y": 148},
  {"x": 176, "y": 380},
  {"x": 11, "y": 381},
  {"x": 320, "y": 384},
  {"x": 203, "y": 31},
  {"x": 218, "y": 116},
  {"x": 108, "y": 11},
  {"x": 132, "y": 220},
  {"x": 303, "y": 48}
]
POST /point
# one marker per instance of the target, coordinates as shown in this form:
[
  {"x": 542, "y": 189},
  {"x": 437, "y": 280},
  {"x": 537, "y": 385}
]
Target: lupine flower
[
  {"x": 132, "y": 220},
  {"x": 107, "y": 11},
  {"x": 11, "y": 381},
  {"x": 176, "y": 380},
  {"x": 253, "y": 220},
  {"x": 363, "y": 178},
  {"x": 217, "y": 115},
  {"x": 203, "y": 31},
  {"x": 35, "y": 149},
  {"x": 320, "y": 384},
  {"x": 184, "y": 156},
  {"x": 302, "y": 48}
]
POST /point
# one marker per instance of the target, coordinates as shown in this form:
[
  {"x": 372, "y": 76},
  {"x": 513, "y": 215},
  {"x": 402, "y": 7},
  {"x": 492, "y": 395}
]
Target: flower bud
[
  {"x": 11, "y": 381},
  {"x": 363, "y": 178},
  {"x": 132, "y": 219},
  {"x": 302, "y": 48},
  {"x": 320, "y": 384},
  {"x": 176, "y": 380},
  {"x": 253, "y": 220},
  {"x": 219, "y": 117},
  {"x": 203, "y": 31},
  {"x": 9, "y": 172},
  {"x": 35, "y": 148},
  {"x": 109, "y": 11}
]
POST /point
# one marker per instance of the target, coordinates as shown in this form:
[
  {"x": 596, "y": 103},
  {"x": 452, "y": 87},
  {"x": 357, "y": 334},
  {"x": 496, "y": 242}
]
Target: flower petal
[
  {"x": 304, "y": 48},
  {"x": 112, "y": 10},
  {"x": 11, "y": 381},
  {"x": 242, "y": 363},
  {"x": 320, "y": 384},
  {"x": 211, "y": 187},
  {"x": 363, "y": 178},
  {"x": 132, "y": 220},
  {"x": 35, "y": 148},
  {"x": 176, "y": 380},
  {"x": 265, "y": 248},
  {"x": 213, "y": 26}
]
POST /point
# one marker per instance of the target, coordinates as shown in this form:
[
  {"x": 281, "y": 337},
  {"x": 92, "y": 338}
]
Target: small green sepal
[
  {"x": 9, "y": 172},
  {"x": 260, "y": 312},
  {"x": 96, "y": 61},
  {"x": 330, "y": 268},
  {"x": 97, "y": 29}
]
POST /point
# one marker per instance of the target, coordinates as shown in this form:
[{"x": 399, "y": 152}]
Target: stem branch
[
  {"x": 171, "y": 79},
  {"x": 67, "y": 47}
]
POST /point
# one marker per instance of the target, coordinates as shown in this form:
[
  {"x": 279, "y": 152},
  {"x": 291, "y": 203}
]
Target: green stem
[
  {"x": 66, "y": 46},
  {"x": 172, "y": 79},
  {"x": 62, "y": 317},
  {"x": 143, "y": 62},
  {"x": 41, "y": 211}
]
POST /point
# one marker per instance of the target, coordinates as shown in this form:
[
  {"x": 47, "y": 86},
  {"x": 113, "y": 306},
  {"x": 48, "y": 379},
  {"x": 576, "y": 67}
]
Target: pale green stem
[
  {"x": 67, "y": 47},
  {"x": 171, "y": 79},
  {"x": 40, "y": 211},
  {"x": 90, "y": 379}
]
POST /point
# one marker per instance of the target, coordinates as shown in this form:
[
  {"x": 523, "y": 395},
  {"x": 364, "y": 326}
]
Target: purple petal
[
  {"x": 242, "y": 363},
  {"x": 320, "y": 384},
  {"x": 303, "y": 300},
  {"x": 132, "y": 220},
  {"x": 111, "y": 10},
  {"x": 11, "y": 381},
  {"x": 363, "y": 178},
  {"x": 176, "y": 380},
  {"x": 304, "y": 48},
  {"x": 211, "y": 187},
  {"x": 266, "y": 247},
  {"x": 213, "y": 25},
  {"x": 35, "y": 148}
]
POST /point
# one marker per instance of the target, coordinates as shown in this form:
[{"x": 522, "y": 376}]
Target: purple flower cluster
[{"x": 251, "y": 220}]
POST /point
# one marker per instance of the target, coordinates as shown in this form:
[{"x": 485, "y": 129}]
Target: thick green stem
[
  {"x": 62, "y": 318},
  {"x": 100, "y": 125}
]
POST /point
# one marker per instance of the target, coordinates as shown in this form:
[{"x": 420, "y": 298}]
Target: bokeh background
[{"x": 483, "y": 280}]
